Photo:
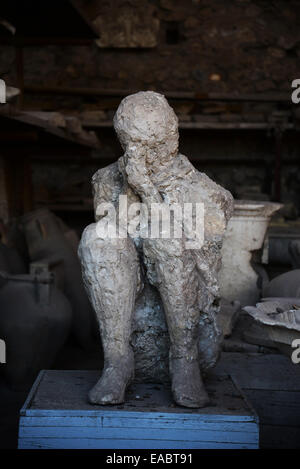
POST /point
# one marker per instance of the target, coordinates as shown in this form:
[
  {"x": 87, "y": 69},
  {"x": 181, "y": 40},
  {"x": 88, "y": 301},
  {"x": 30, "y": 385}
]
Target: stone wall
[
  {"x": 206, "y": 45},
  {"x": 202, "y": 46}
]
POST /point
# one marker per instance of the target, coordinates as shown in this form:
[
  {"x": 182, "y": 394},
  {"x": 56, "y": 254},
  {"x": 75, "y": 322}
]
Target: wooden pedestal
[{"x": 57, "y": 415}]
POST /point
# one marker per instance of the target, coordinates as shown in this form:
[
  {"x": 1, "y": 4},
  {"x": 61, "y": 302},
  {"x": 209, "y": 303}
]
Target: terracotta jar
[{"x": 48, "y": 244}]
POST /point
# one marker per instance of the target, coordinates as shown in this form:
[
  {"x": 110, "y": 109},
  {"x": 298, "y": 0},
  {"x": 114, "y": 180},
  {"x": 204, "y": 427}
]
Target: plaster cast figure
[{"x": 116, "y": 269}]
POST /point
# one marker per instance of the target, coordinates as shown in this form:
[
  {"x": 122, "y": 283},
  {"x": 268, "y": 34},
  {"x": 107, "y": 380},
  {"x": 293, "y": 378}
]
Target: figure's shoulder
[
  {"x": 181, "y": 162},
  {"x": 106, "y": 184},
  {"x": 205, "y": 186},
  {"x": 109, "y": 174}
]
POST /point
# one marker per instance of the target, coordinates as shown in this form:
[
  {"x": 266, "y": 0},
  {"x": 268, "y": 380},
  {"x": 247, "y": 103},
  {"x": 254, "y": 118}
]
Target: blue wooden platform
[{"x": 56, "y": 415}]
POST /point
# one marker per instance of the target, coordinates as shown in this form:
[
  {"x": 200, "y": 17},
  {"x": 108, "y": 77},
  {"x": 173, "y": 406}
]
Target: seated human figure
[{"x": 151, "y": 171}]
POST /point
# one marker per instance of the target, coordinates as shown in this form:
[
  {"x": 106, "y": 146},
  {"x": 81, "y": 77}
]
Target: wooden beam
[
  {"x": 203, "y": 125},
  {"x": 187, "y": 95},
  {"x": 88, "y": 140},
  {"x": 46, "y": 41},
  {"x": 230, "y": 125}
]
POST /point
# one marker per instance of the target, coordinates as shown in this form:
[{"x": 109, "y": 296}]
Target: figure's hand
[{"x": 138, "y": 175}]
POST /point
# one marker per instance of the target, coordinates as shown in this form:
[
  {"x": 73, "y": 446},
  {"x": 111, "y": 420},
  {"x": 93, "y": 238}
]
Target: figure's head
[{"x": 146, "y": 118}]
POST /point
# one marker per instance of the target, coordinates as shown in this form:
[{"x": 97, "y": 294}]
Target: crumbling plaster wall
[
  {"x": 205, "y": 45},
  {"x": 237, "y": 46}
]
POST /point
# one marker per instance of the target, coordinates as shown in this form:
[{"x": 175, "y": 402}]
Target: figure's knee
[
  {"x": 96, "y": 248},
  {"x": 92, "y": 239},
  {"x": 87, "y": 241},
  {"x": 110, "y": 258}
]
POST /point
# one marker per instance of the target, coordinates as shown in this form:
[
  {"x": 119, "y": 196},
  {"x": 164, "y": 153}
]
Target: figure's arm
[
  {"x": 138, "y": 176},
  {"x": 107, "y": 185}
]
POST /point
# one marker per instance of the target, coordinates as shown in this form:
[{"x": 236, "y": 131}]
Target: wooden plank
[
  {"x": 65, "y": 392},
  {"x": 55, "y": 119},
  {"x": 97, "y": 413},
  {"x": 139, "y": 433},
  {"x": 133, "y": 422},
  {"x": 32, "y": 392},
  {"x": 78, "y": 443},
  {"x": 10, "y": 112},
  {"x": 260, "y": 371},
  {"x": 57, "y": 415},
  {"x": 186, "y": 95},
  {"x": 203, "y": 125}
]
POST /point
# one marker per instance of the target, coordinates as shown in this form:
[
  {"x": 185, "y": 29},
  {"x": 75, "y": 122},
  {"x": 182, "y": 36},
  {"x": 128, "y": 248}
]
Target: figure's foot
[
  {"x": 111, "y": 387},
  {"x": 187, "y": 385}
]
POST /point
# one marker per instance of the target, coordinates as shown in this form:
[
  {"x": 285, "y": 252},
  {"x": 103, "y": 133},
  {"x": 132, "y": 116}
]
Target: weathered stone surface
[
  {"x": 150, "y": 338},
  {"x": 132, "y": 24},
  {"x": 221, "y": 37},
  {"x": 284, "y": 312},
  {"x": 212, "y": 38},
  {"x": 117, "y": 271},
  {"x": 281, "y": 315}
]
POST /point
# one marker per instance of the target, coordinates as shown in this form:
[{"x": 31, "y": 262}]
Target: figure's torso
[{"x": 179, "y": 183}]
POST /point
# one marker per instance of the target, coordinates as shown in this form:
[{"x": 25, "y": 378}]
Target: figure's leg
[
  {"x": 110, "y": 270},
  {"x": 178, "y": 284}
]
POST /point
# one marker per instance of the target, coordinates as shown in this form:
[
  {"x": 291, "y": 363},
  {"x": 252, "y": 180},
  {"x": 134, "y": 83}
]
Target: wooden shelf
[
  {"x": 69, "y": 207},
  {"x": 8, "y": 111},
  {"x": 203, "y": 125},
  {"x": 185, "y": 95}
]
